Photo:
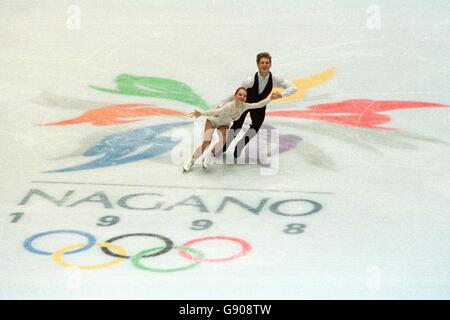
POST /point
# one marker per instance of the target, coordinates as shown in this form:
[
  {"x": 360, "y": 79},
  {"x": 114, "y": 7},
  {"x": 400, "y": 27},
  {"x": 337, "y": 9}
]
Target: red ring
[{"x": 246, "y": 247}]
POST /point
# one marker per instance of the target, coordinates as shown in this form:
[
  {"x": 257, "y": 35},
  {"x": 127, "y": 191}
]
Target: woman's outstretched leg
[
  {"x": 222, "y": 140},
  {"x": 217, "y": 149},
  {"x": 207, "y": 136}
]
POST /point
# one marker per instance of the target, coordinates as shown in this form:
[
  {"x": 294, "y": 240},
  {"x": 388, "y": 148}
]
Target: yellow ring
[{"x": 57, "y": 256}]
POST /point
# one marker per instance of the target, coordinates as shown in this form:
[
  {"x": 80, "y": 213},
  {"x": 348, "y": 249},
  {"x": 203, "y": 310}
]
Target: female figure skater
[{"x": 220, "y": 119}]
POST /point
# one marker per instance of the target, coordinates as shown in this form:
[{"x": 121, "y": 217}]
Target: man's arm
[{"x": 290, "y": 87}]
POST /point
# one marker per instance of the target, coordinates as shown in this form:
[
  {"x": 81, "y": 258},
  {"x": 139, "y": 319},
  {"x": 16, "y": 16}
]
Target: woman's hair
[
  {"x": 263, "y": 55},
  {"x": 237, "y": 90}
]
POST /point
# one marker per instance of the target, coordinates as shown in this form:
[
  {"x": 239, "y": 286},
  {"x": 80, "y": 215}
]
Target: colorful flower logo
[{"x": 150, "y": 141}]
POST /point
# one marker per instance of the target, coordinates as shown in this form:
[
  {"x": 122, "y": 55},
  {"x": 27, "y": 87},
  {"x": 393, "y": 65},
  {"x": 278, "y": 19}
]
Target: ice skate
[
  {"x": 206, "y": 161},
  {"x": 188, "y": 165}
]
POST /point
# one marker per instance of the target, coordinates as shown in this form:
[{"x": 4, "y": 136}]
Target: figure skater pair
[{"x": 251, "y": 97}]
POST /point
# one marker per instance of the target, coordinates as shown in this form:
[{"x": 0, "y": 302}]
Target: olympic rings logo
[{"x": 119, "y": 254}]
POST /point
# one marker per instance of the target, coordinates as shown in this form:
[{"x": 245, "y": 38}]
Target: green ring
[{"x": 136, "y": 258}]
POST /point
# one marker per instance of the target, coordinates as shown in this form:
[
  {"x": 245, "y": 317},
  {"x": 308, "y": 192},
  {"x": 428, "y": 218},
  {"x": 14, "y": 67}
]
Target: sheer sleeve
[
  {"x": 257, "y": 105},
  {"x": 214, "y": 112}
]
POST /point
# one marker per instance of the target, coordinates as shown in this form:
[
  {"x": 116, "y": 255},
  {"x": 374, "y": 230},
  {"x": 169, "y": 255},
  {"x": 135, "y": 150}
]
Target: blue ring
[{"x": 28, "y": 244}]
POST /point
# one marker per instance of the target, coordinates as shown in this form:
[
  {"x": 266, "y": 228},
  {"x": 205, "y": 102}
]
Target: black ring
[{"x": 169, "y": 245}]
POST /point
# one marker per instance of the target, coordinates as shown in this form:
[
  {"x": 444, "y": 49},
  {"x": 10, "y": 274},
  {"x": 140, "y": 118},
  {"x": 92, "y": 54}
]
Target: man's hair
[{"x": 263, "y": 55}]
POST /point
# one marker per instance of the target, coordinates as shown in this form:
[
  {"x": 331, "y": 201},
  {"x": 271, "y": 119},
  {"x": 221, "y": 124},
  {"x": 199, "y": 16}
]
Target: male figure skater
[{"x": 258, "y": 88}]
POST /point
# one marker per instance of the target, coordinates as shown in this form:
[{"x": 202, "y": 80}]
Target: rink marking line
[{"x": 178, "y": 187}]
